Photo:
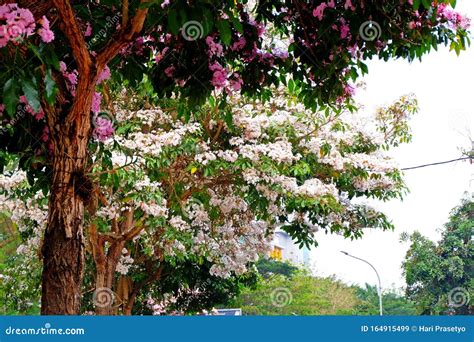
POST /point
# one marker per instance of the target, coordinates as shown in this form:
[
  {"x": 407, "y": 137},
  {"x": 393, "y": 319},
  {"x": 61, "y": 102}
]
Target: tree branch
[
  {"x": 125, "y": 36},
  {"x": 74, "y": 35}
]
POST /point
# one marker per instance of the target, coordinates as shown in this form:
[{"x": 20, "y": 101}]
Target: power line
[{"x": 438, "y": 163}]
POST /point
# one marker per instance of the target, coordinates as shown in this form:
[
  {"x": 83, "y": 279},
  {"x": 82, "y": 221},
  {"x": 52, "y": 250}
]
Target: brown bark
[
  {"x": 106, "y": 261},
  {"x": 63, "y": 240},
  {"x": 63, "y": 245}
]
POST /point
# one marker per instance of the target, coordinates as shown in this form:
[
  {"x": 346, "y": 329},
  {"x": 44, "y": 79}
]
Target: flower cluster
[
  {"x": 27, "y": 211},
  {"x": 18, "y": 23},
  {"x": 124, "y": 263},
  {"x": 220, "y": 200}
]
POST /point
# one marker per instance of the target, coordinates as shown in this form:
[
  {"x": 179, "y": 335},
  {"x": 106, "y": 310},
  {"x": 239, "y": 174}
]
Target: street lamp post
[{"x": 379, "y": 289}]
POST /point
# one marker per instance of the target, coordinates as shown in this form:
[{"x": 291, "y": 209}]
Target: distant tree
[
  {"x": 393, "y": 303},
  {"x": 440, "y": 277},
  {"x": 300, "y": 295},
  {"x": 268, "y": 267}
]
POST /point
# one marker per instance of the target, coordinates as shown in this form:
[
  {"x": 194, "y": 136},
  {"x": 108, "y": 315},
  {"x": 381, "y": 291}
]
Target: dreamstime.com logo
[
  {"x": 281, "y": 296},
  {"x": 20, "y": 113},
  {"x": 103, "y": 297},
  {"x": 458, "y": 297},
  {"x": 192, "y": 30},
  {"x": 111, "y": 23},
  {"x": 370, "y": 31},
  {"x": 46, "y": 330}
]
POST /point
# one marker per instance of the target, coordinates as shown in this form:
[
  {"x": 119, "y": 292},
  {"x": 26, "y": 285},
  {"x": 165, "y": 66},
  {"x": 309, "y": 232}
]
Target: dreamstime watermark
[
  {"x": 46, "y": 330},
  {"x": 370, "y": 31},
  {"x": 103, "y": 115},
  {"x": 192, "y": 204},
  {"x": 192, "y": 30},
  {"x": 20, "y": 114},
  {"x": 458, "y": 297},
  {"x": 103, "y": 297},
  {"x": 281, "y": 296},
  {"x": 111, "y": 22}
]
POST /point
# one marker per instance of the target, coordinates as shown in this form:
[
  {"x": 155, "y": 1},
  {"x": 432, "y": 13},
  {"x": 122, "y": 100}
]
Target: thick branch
[
  {"x": 126, "y": 35},
  {"x": 74, "y": 35}
]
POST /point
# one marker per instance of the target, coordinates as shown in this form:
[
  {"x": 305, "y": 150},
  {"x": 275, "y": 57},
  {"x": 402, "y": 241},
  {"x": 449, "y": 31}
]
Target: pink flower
[
  {"x": 96, "y": 100},
  {"x": 88, "y": 31},
  {"x": 70, "y": 77},
  {"x": 331, "y": 4},
  {"x": 214, "y": 48},
  {"x": 18, "y": 23},
  {"x": 103, "y": 129},
  {"x": 280, "y": 53},
  {"x": 45, "y": 33},
  {"x": 239, "y": 45},
  {"x": 45, "y": 134},
  {"x": 165, "y": 4},
  {"x": 260, "y": 30},
  {"x": 37, "y": 115},
  {"x": 169, "y": 71},
  {"x": 4, "y": 36},
  {"x": 219, "y": 76},
  {"x": 349, "y": 90},
  {"x": 353, "y": 50},
  {"x": 348, "y": 5},
  {"x": 465, "y": 23},
  {"x": 345, "y": 30},
  {"x": 104, "y": 75},
  {"x": 236, "y": 84},
  {"x": 318, "y": 12}
]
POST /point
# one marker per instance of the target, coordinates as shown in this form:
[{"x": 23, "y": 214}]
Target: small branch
[
  {"x": 220, "y": 125},
  {"x": 112, "y": 170},
  {"x": 124, "y": 13}
]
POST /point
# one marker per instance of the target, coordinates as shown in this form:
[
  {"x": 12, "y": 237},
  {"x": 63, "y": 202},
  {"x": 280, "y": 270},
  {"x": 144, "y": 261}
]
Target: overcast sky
[{"x": 443, "y": 84}]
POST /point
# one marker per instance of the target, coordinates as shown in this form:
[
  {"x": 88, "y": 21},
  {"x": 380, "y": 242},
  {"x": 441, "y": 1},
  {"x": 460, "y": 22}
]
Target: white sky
[{"x": 443, "y": 84}]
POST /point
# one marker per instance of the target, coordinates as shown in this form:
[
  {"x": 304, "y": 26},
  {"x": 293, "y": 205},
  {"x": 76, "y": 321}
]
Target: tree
[
  {"x": 268, "y": 267},
  {"x": 439, "y": 275},
  {"x": 394, "y": 303},
  {"x": 171, "y": 193},
  {"x": 301, "y": 294},
  {"x": 54, "y": 87}
]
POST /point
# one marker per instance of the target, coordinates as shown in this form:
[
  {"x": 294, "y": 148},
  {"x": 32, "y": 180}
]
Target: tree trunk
[
  {"x": 106, "y": 300},
  {"x": 63, "y": 244},
  {"x": 63, "y": 240}
]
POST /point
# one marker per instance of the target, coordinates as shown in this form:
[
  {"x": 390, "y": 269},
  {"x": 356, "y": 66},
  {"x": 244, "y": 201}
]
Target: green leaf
[
  {"x": 236, "y": 22},
  {"x": 10, "y": 95},
  {"x": 30, "y": 89},
  {"x": 173, "y": 24},
  {"x": 52, "y": 59},
  {"x": 37, "y": 52},
  {"x": 50, "y": 87},
  {"x": 207, "y": 22},
  {"x": 225, "y": 31},
  {"x": 291, "y": 85}
]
